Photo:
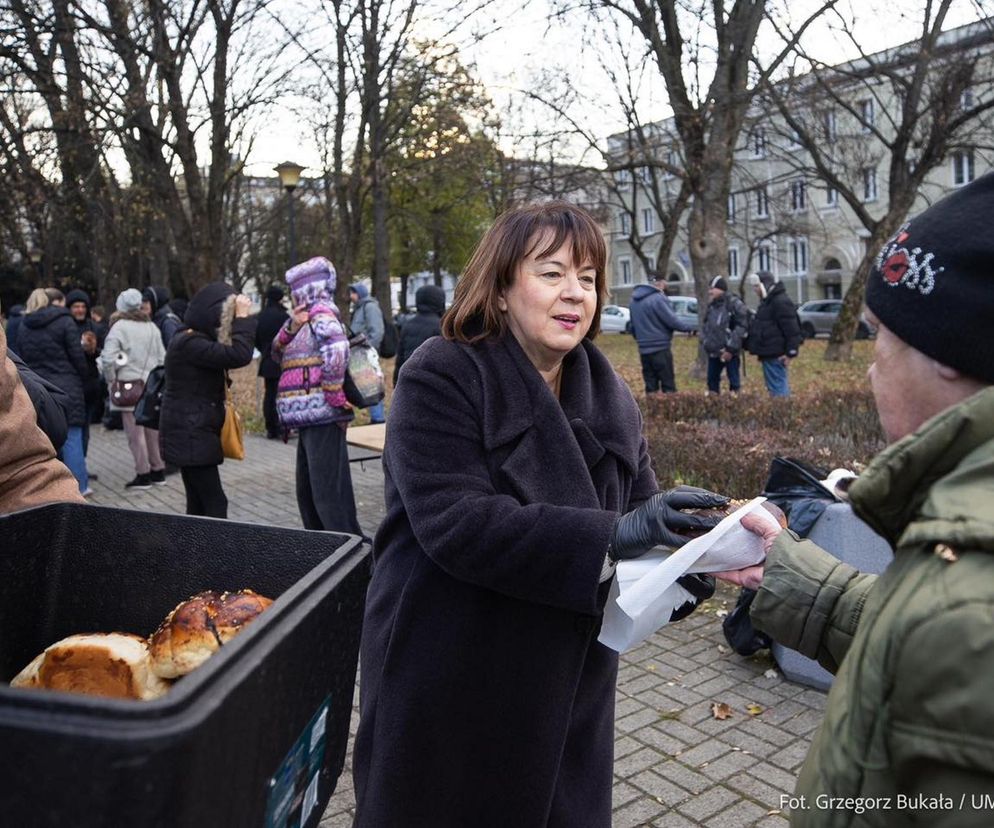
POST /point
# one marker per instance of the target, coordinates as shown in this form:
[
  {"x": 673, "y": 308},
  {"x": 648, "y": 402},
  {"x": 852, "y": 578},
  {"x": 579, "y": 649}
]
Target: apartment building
[{"x": 782, "y": 215}]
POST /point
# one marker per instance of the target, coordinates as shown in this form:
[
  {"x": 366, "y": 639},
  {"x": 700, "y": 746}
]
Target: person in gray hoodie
[
  {"x": 367, "y": 318},
  {"x": 653, "y": 324}
]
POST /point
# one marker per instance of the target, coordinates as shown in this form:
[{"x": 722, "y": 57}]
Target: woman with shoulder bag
[
  {"x": 219, "y": 336},
  {"x": 132, "y": 349},
  {"x": 312, "y": 351}
]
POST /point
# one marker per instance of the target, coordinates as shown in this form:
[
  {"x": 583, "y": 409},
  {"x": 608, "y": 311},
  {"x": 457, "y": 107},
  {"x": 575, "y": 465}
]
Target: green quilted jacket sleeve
[{"x": 809, "y": 600}]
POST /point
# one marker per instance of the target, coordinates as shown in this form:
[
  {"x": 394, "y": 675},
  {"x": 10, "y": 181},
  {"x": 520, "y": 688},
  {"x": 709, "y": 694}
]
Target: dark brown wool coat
[{"x": 486, "y": 699}]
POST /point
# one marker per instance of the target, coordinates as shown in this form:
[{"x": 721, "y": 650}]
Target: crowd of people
[{"x": 517, "y": 477}]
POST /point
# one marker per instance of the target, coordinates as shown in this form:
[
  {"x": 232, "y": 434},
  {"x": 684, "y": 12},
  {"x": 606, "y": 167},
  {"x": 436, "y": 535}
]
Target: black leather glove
[
  {"x": 701, "y": 586},
  {"x": 653, "y": 523}
]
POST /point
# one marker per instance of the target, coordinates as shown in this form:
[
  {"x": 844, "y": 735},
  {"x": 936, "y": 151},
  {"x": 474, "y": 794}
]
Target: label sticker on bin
[{"x": 293, "y": 789}]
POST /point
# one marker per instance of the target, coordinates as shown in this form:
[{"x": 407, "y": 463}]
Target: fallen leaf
[
  {"x": 722, "y": 649},
  {"x": 720, "y": 613},
  {"x": 651, "y": 667},
  {"x": 771, "y": 673},
  {"x": 720, "y": 710},
  {"x": 773, "y": 813},
  {"x": 753, "y": 709}
]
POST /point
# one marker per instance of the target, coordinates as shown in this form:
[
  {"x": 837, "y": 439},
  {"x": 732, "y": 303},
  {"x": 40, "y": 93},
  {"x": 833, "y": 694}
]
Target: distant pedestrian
[
  {"x": 49, "y": 343},
  {"x": 271, "y": 318},
  {"x": 775, "y": 334},
  {"x": 653, "y": 323},
  {"x": 132, "y": 349},
  {"x": 426, "y": 323},
  {"x": 724, "y": 329},
  {"x": 78, "y": 302},
  {"x": 218, "y": 336},
  {"x": 14, "y": 317},
  {"x": 367, "y": 318},
  {"x": 155, "y": 302},
  {"x": 313, "y": 352}
]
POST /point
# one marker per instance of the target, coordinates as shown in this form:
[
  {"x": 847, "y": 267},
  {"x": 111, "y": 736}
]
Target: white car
[{"x": 615, "y": 319}]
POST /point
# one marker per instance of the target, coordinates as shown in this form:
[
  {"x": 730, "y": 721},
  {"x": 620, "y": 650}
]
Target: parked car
[
  {"x": 686, "y": 309},
  {"x": 615, "y": 319},
  {"x": 818, "y": 317}
]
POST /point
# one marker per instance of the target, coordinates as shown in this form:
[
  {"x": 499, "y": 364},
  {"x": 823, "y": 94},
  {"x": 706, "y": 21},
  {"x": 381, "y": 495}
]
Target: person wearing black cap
[
  {"x": 909, "y": 712},
  {"x": 271, "y": 319},
  {"x": 775, "y": 334},
  {"x": 155, "y": 302},
  {"x": 78, "y": 302},
  {"x": 722, "y": 334},
  {"x": 219, "y": 335},
  {"x": 426, "y": 323}
]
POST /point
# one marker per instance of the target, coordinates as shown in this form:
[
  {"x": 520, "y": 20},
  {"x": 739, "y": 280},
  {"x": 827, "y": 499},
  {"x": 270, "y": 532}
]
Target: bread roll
[
  {"x": 115, "y": 665},
  {"x": 725, "y": 511},
  {"x": 199, "y": 627}
]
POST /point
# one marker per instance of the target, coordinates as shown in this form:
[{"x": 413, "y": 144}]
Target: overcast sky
[{"x": 514, "y": 58}]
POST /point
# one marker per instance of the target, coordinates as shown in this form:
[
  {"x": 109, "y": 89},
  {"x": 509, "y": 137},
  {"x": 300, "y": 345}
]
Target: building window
[
  {"x": 648, "y": 221},
  {"x": 831, "y": 196},
  {"x": 731, "y": 208},
  {"x": 962, "y": 167},
  {"x": 764, "y": 257},
  {"x": 626, "y": 223},
  {"x": 626, "y": 271},
  {"x": 793, "y": 139},
  {"x": 757, "y": 141},
  {"x": 623, "y": 176},
  {"x": 798, "y": 251},
  {"x": 673, "y": 160},
  {"x": 733, "y": 263},
  {"x": 966, "y": 100},
  {"x": 831, "y": 126},
  {"x": 645, "y": 174},
  {"x": 650, "y": 266},
  {"x": 762, "y": 203},
  {"x": 798, "y": 195},
  {"x": 867, "y": 116},
  {"x": 869, "y": 184}
]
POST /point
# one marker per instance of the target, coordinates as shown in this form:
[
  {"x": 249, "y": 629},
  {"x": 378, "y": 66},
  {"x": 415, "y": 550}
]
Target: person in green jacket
[{"x": 908, "y": 734}]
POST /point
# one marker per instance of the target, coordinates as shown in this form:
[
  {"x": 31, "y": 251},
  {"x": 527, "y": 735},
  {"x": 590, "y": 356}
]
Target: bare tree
[
  {"x": 708, "y": 116},
  {"x": 903, "y": 110}
]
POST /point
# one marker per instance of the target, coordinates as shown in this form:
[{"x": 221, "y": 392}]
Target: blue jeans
[
  {"x": 716, "y": 366},
  {"x": 73, "y": 457},
  {"x": 775, "y": 375},
  {"x": 376, "y": 414}
]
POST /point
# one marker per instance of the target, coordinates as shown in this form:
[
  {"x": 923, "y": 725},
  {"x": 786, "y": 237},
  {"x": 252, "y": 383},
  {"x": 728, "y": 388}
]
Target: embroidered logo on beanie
[{"x": 900, "y": 266}]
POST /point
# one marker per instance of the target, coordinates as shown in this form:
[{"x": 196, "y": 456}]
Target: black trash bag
[
  {"x": 739, "y": 632},
  {"x": 794, "y": 486}
]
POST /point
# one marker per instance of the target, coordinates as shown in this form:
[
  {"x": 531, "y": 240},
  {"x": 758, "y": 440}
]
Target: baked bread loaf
[
  {"x": 115, "y": 665},
  {"x": 725, "y": 511},
  {"x": 199, "y": 627}
]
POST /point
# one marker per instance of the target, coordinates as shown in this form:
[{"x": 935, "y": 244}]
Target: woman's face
[{"x": 551, "y": 305}]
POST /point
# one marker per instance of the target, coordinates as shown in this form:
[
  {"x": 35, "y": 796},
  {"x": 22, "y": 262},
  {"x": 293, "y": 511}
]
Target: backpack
[
  {"x": 388, "y": 345},
  {"x": 148, "y": 408}
]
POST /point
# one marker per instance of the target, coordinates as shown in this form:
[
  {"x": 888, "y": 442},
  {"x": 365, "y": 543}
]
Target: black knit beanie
[
  {"x": 932, "y": 284},
  {"x": 719, "y": 283}
]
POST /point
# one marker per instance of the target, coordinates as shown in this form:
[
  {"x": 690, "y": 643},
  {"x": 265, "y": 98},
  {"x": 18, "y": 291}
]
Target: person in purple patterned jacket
[{"x": 312, "y": 351}]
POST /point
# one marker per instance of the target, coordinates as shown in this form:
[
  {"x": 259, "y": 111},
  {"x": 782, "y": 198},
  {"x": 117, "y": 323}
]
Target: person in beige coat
[
  {"x": 30, "y": 475},
  {"x": 132, "y": 349}
]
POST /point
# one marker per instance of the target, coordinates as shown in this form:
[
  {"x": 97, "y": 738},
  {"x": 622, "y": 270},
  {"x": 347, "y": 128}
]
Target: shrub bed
[{"x": 726, "y": 443}]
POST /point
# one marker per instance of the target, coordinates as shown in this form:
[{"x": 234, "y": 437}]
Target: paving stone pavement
[{"x": 675, "y": 764}]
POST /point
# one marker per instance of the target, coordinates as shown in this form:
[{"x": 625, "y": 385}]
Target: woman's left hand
[{"x": 243, "y": 306}]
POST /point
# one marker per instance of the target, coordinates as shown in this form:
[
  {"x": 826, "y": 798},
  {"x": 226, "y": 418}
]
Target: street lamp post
[
  {"x": 289, "y": 174},
  {"x": 36, "y": 257}
]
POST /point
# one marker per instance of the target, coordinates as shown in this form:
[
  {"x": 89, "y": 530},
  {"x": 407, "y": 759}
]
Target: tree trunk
[{"x": 708, "y": 229}]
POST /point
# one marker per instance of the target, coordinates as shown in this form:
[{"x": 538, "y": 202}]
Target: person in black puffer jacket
[
  {"x": 219, "y": 336},
  {"x": 426, "y": 323},
  {"x": 49, "y": 343},
  {"x": 271, "y": 319},
  {"x": 155, "y": 302},
  {"x": 774, "y": 335}
]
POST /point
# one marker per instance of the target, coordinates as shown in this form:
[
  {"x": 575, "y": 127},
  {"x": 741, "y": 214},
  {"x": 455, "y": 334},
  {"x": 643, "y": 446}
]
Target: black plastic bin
[{"x": 257, "y": 736}]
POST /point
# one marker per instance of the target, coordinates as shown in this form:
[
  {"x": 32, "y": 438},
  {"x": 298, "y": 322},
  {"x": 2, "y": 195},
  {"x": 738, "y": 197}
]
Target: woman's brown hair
[{"x": 475, "y": 314}]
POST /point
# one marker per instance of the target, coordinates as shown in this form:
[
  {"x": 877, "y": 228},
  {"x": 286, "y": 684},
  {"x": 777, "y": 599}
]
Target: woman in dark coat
[
  {"x": 516, "y": 476},
  {"x": 426, "y": 323},
  {"x": 49, "y": 343},
  {"x": 219, "y": 335},
  {"x": 271, "y": 318}
]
